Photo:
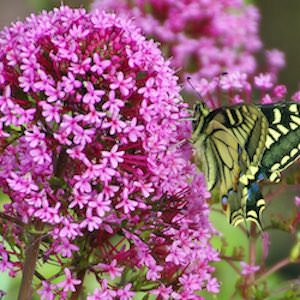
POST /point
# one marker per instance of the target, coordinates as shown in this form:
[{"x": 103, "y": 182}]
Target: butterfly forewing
[{"x": 249, "y": 126}]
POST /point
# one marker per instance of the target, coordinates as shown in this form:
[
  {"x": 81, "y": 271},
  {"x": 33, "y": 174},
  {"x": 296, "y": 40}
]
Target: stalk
[
  {"x": 77, "y": 293},
  {"x": 31, "y": 256}
]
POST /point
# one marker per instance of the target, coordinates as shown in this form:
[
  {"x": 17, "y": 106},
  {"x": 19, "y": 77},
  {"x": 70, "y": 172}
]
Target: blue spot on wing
[
  {"x": 224, "y": 201},
  {"x": 239, "y": 149},
  {"x": 253, "y": 189},
  {"x": 260, "y": 175}
]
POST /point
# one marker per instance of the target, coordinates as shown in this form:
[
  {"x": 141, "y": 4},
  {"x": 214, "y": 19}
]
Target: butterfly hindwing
[
  {"x": 283, "y": 138},
  {"x": 255, "y": 203}
]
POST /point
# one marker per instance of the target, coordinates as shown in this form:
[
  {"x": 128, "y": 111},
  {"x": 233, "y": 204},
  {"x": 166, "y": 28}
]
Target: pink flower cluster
[
  {"x": 203, "y": 38},
  {"x": 90, "y": 118},
  {"x": 237, "y": 87}
]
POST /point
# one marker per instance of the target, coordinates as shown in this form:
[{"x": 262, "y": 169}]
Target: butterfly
[{"x": 238, "y": 146}]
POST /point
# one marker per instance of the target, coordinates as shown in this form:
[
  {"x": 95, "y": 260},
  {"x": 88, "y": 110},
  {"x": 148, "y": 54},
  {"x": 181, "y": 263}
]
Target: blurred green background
[{"x": 280, "y": 28}]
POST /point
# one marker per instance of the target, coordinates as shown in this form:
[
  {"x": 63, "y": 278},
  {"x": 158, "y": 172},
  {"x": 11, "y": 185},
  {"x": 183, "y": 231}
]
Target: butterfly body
[{"x": 240, "y": 145}]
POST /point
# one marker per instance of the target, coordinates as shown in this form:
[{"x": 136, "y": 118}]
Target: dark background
[{"x": 280, "y": 28}]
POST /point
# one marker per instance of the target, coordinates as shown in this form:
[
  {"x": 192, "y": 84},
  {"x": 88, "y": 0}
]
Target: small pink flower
[
  {"x": 213, "y": 286},
  {"x": 114, "y": 156},
  {"x": 248, "y": 269},
  {"x": 66, "y": 248},
  {"x": 100, "y": 65},
  {"x": 80, "y": 200},
  {"x": 122, "y": 83},
  {"x": 69, "y": 283},
  {"x": 92, "y": 96},
  {"x": 91, "y": 221},
  {"x": 113, "y": 105},
  {"x": 296, "y": 96},
  {"x": 50, "y": 112},
  {"x": 163, "y": 292},
  {"x": 146, "y": 188},
  {"x": 103, "y": 293},
  {"x": 115, "y": 124},
  {"x": 47, "y": 293},
  {"x": 70, "y": 83},
  {"x": 263, "y": 81},
  {"x": 280, "y": 91},
  {"x": 233, "y": 80},
  {"x": 266, "y": 99},
  {"x": 82, "y": 67},
  {"x": 297, "y": 201},
  {"x": 148, "y": 90},
  {"x": 100, "y": 204},
  {"x": 275, "y": 58},
  {"x": 112, "y": 269},
  {"x": 35, "y": 137},
  {"x": 78, "y": 32},
  {"x": 153, "y": 272},
  {"x": 134, "y": 131},
  {"x": 127, "y": 205},
  {"x": 69, "y": 230},
  {"x": 54, "y": 93},
  {"x": 125, "y": 293}
]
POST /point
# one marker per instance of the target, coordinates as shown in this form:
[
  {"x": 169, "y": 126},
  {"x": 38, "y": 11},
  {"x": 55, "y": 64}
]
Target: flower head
[
  {"x": 236, "y": 87},
  {"x": 203, "y": 38},
  {"x": 90, "y": 115}
]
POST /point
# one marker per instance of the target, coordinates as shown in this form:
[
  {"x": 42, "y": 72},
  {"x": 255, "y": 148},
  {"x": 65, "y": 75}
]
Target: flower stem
[
  {"x": 77, "y": 293},
  {"x": 31, "y": 256},
  {"x": 252, "y": 249},
  {"x": 275, "y": 268},
  {"x": 248, "y": 281}
]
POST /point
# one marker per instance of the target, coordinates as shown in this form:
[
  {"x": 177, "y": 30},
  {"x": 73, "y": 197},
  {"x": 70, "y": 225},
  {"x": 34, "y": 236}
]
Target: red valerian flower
[
  {"x": 90, "y": 118},
  {"x": 203, "y": 38}
]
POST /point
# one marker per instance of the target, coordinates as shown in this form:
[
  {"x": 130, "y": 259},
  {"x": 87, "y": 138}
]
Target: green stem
[
  {"x": 274, "y": 268},
  {"x": 252, "y": 249},
  {"x": 248, "y": 281},
  {"x": 31, "y": 256}
]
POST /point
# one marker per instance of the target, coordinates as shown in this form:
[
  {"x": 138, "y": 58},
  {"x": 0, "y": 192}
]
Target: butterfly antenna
[
  {"x": 179, "y": 144},
  {"x": 189, "y": 81},
  {"x": 223, "y": 74},
  {"x": 187, "y": 119}
]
